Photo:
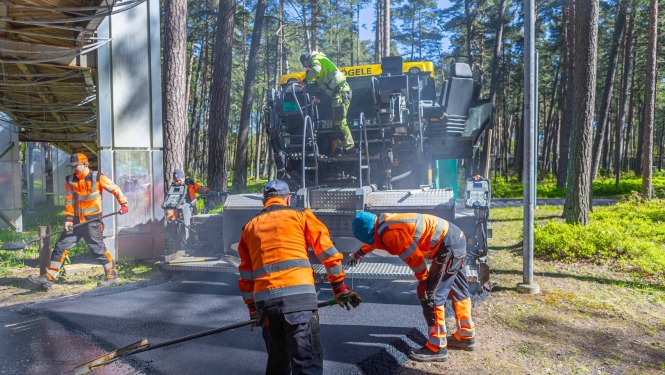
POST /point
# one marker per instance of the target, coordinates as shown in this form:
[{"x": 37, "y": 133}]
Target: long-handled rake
[
  {"x": 144, "y": 346},
  {"x": 21, "y": 246}
]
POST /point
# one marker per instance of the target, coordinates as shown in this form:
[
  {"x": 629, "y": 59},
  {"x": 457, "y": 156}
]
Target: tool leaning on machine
[{"x": 144, "y": 346}]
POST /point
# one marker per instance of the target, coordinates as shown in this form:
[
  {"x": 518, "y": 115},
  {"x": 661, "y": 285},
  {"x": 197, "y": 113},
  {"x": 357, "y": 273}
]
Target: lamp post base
[{"x": 528, "y": 288}]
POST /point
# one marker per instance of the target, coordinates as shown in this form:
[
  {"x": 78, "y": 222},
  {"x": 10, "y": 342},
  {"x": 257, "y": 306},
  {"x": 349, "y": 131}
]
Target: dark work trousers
[
  {"x": 93, "y": 235},
  {"x": 447, "y": 279},
  {"x": 293, "y": 343}
]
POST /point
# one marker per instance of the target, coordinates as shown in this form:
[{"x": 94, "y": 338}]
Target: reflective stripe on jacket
[
  {"x": 324, "y": 73},
  {"x": 409, "y": 236},
  {"x": 83, "y": 194},
  {"x": 274, "y": 259}
]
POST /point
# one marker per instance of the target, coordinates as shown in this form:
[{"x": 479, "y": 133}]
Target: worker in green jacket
[{"x": 332, "y": 83}]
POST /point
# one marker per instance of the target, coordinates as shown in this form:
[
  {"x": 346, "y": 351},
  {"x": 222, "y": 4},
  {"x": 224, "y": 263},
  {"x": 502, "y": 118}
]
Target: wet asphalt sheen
[{"x": 52, "y": 337}]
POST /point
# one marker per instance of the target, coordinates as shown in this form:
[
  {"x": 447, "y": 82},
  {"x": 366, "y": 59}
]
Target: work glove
[
  {"x": 124, "y": 209},
  {"x": 422, "y": 291},
  {"x": 301, "y": 83},
  {"x": 316, "y": 100},
  {"x": 253, "y": 315},
  {"x": 69, "y": 226},
  {"x": 354, "y": 259},
  {"x": 343, "y": 292},
  {"x": 206, "y": 191}
]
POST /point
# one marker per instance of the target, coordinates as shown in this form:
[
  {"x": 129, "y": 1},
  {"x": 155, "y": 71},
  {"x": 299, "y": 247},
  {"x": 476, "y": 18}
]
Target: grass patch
[
  {"x": 630, "y": 234},
  {"x": 602, "y": 187}
]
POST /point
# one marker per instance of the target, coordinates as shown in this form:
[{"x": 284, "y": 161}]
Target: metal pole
[
  {"x": 527, "y": 285},
  {"x": 30, "y": 171},
  {"x": 536, "y": 110}
]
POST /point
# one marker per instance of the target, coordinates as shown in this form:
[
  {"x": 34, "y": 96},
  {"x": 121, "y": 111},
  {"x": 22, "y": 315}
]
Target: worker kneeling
[
  {"x": 413, "y": 237},
  {"x": 277, "y": 281}
]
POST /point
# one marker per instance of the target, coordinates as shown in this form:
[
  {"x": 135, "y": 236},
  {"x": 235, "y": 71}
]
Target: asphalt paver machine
[{"x": 409, "y": 142}]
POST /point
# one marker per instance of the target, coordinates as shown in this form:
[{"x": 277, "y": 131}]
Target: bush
[
  {"x": 602, "y": 187},
  {"x": 630, "y": 233}
]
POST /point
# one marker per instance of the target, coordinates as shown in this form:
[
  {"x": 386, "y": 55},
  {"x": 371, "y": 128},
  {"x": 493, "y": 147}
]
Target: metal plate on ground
[
  {"x": 417, "y": 198},
  {"x": 372, "y": 271},
  {"x": 214, "y": 266}
]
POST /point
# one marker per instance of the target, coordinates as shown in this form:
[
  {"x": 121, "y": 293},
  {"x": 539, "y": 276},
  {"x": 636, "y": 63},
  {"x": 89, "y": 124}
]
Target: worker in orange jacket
[
  {"x": 193, "y": 188},
  {"x": 83, "y": 202},
  {"x": 277, "y": 281},
  {"x": 415, "y": 238}
]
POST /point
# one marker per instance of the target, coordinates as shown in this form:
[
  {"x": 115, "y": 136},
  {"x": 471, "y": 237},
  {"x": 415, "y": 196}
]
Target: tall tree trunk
[
  {"x": 220, "y": 98},
  {"x": 564, "y": 136},
  {"x": 190, "y": 70},
  {"x": 639, "y": 139},
  {"x": 280, "y": 46},
  {"x": 174, "y": 86},
  {"x": 547, "y": 147},
  {"x": 604, "y": 114},
  {"x": 661, "y": 145},
  {"x": 240, "y": 165},
  {"x": 378, "y": 44},
  {"x": 195, "y": 103},
  {"x": 577, "y": 207},
  {"x": 494, "y": 84},
  {"x": 386, "y": 28},
  {"x": 469, "y": 36},
  {"x": 650, "y": 102},
  {"x": 314, "y": 8},
  {"x": 623, "y": 100},
  {"x": 631, "y": 112}
]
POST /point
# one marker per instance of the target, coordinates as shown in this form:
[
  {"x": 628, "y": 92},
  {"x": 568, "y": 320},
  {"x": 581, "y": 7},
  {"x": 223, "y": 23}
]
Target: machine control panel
[
  {"x": 174, "y": 196},
  {"x": 477, "y": 192}
]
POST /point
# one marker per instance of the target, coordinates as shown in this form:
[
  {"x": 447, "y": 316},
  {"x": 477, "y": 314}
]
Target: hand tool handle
[
  {"x": 76, "y": 226},
  {"x": 331, "y": 302}
]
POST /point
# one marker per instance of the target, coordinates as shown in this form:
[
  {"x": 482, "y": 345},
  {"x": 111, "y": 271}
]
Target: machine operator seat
[{"x": 456, "y": 98}]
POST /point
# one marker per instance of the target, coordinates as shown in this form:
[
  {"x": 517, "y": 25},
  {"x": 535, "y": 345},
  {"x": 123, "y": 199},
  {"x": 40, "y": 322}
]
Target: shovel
[
  {"x": 21, "y": 246},
  {"x": 144, "y": 346}
]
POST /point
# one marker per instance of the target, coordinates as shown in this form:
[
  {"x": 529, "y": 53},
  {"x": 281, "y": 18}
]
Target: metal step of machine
[{"x": 335, "y": 207}]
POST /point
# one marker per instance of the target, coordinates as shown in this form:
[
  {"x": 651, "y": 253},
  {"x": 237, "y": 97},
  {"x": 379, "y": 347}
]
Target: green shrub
[
  {"x": 630, "y": 233},
  {"x": 602, "y": 187}
]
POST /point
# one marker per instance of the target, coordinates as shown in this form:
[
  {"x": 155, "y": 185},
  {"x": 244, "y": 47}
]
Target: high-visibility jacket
[
  {"x": 324, "y": 73},
  {"x": 194, "y": 188},
  {"x": 412, "y": 237},
  {"x": 275, "y": 272},
  {"x": 83, "y": 194}
]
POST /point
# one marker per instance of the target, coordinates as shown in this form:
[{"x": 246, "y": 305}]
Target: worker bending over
[
  {"x": 277, "y": 281},
  {"x": 415, "y": 237},
  {"x": 332, "y": 83},
  {"x": 193, "y": 188},
  {"x": 83, "y": 203}
]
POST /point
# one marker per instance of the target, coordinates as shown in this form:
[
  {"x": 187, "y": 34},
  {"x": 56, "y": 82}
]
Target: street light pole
[{"x": 528, "y": 286}]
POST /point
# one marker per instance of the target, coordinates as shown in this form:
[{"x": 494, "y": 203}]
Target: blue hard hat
[
  {"x": 276, "y": 188},
  {"x": 178, "y": 174},
  {"x": 363, "y": 227}
]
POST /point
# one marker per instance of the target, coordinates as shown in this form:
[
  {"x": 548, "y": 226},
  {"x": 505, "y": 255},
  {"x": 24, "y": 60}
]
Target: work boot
[
  {"x": 41, "y": 280},
  {"x": 424, "y": 354},
  {"x": 463, "y": 344},
  {"x": 107, "y": 282}
]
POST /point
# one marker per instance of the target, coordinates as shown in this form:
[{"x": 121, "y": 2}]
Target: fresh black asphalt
[{"x": 54, "y": 336}]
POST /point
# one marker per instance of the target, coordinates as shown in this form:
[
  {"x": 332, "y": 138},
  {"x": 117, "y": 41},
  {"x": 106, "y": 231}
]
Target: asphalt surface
[{"x": 57, "y": 335}]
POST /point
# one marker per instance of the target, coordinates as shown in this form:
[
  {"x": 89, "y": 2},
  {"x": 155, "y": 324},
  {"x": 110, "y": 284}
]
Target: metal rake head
[{"x": 13, "y": 246}]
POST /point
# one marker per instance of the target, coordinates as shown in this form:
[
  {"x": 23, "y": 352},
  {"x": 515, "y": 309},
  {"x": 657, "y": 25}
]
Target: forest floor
[{"x": 588, "y": 319}]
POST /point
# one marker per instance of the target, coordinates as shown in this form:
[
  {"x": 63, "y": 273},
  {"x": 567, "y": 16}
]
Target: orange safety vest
[
  {"x": 194, "y": 188},
  {"x": 83, "y": 194},
  {"x": 275, "y": 268},
  {"x": 412, "y": 237}
]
